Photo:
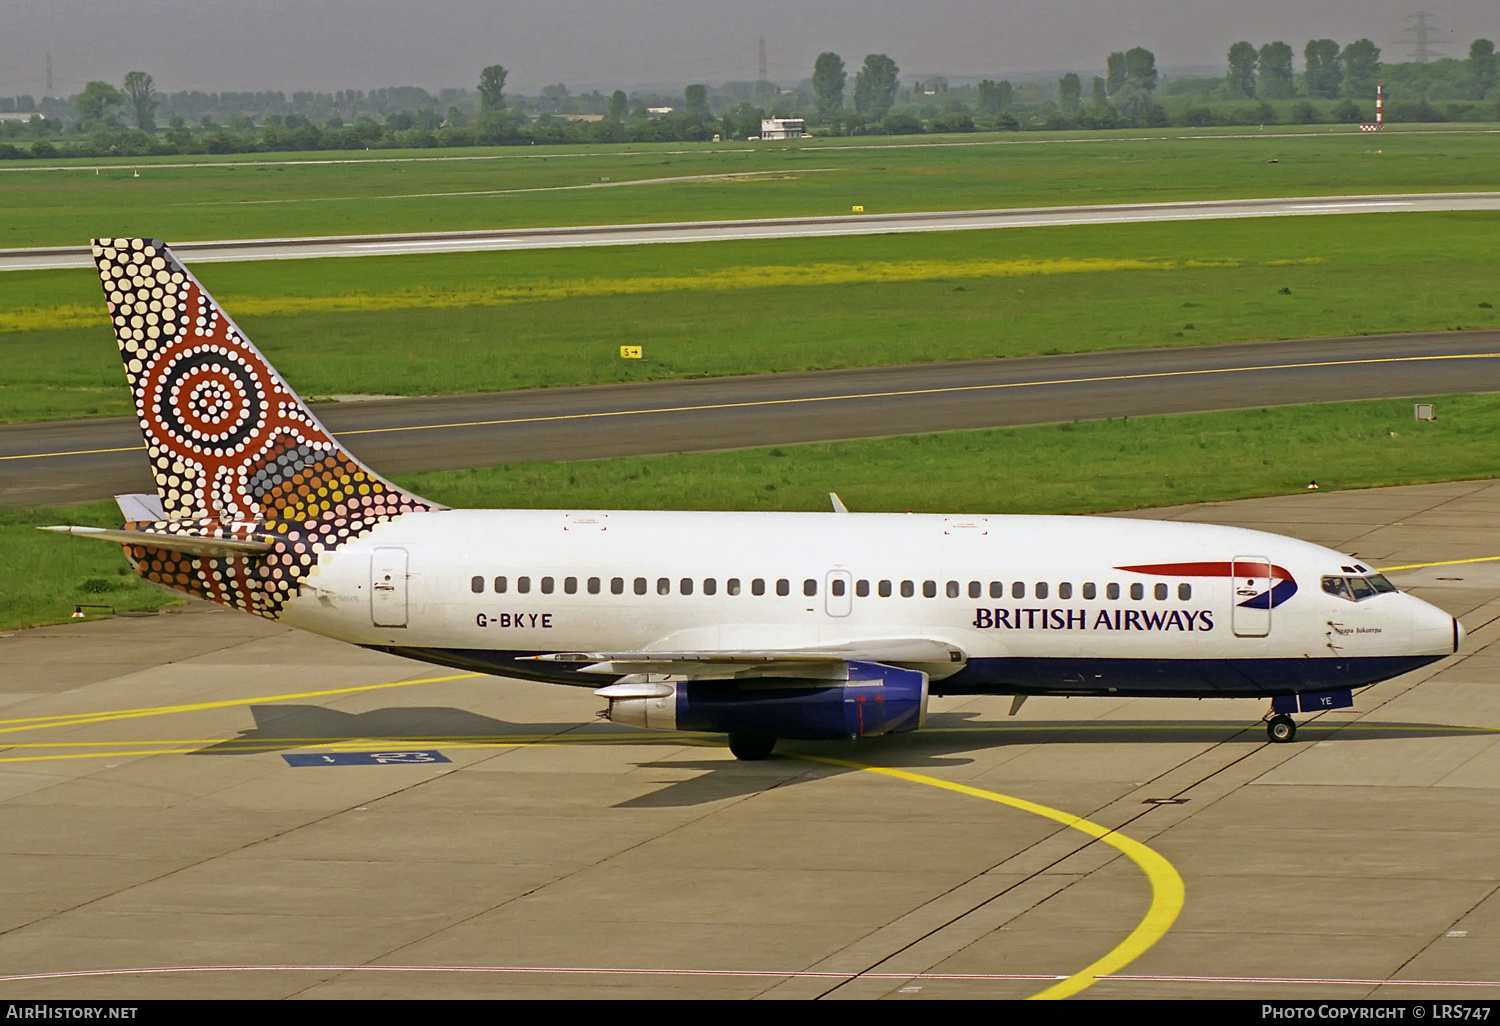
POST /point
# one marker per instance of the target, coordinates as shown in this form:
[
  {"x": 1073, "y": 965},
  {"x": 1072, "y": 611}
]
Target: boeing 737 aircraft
[{"x": 755, "y": 625}]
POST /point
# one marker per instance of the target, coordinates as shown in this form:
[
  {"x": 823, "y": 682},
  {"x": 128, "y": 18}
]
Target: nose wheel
[{"x": 1281, "y": 728}]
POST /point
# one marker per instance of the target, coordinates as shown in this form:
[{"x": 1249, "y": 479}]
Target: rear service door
[
  {"x": 1250, "y": 595},
  {"x": 838, "y": 593},
  {"x": 388, "y": 588}
]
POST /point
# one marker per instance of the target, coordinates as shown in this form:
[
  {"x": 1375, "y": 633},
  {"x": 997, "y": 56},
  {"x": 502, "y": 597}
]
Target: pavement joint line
[
  {"x": 1137, "y": 814},
  {"x": 751, "y": 973},
  {"x": 801, "y": 400},
  {"x": 1167, "y": 890}
]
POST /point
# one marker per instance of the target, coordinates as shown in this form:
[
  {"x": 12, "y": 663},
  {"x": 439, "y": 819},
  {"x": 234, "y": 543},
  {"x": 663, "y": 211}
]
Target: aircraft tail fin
[{"x": 228, "y": 439}]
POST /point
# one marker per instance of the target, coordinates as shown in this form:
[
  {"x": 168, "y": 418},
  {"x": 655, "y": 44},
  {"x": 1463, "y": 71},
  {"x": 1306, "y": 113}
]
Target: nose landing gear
[{"x": 1281, "y": 728}]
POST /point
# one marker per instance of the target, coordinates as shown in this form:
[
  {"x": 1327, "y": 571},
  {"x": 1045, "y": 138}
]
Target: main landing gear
[
  {"x": 751, "y": 747},
  {"x": 1281, "y": 728}
]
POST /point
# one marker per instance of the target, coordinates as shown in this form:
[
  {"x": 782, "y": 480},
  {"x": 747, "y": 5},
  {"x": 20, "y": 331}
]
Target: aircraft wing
[
  {"x": 193, "y": 545},
  {"x": 830, "y": 663}
]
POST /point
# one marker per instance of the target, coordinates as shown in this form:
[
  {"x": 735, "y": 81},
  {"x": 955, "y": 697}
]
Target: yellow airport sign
[{"x": 630, "y": 352}]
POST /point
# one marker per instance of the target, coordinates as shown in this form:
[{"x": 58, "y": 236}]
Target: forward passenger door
[{"x": 1250, "y": 596}]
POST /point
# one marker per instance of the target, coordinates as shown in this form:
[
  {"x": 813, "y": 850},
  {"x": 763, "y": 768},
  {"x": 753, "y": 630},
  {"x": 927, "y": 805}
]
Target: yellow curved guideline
[{"x": 1167, "y": 890}]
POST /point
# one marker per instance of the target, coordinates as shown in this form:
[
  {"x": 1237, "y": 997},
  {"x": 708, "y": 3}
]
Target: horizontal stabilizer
[{"x": 190, "y": 544}]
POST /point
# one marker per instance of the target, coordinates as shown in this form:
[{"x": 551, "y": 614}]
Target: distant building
[
  {"x": 657, "y": 112},
  {"x": 782, "y": 128},
  {"x": 21, "y": 115}
]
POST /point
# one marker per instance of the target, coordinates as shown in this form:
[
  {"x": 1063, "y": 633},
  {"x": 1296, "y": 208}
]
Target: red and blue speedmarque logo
[{"x": 1283, "y": 585}]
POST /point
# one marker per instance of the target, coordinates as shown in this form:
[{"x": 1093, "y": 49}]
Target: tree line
[{"x": 1259, "y": 86}]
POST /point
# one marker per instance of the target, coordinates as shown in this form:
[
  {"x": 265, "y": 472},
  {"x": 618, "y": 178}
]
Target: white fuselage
[{"x": 1067, "y": 605}]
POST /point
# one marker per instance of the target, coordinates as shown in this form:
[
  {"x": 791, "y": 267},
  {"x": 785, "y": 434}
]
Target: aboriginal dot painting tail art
[{"x": 234, "y": 451}]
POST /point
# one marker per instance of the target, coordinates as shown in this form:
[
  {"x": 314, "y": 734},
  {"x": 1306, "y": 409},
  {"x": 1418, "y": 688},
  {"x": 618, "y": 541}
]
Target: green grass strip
[{"x": 453, "y": 323}]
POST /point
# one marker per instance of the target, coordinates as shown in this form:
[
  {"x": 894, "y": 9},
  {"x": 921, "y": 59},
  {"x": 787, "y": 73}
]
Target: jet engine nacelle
[{"x": 876, "y": 699}]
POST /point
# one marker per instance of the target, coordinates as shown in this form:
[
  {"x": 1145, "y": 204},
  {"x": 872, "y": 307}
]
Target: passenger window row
[{"x": 908, "y": 589}]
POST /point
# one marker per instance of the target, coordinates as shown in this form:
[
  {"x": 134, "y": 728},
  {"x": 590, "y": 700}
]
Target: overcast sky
[{"x": 362, "y": 44}]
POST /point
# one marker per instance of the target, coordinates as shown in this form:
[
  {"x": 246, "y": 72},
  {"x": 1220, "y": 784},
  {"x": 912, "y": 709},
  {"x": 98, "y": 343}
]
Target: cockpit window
[
  {"x": 1337, "y": 586},
  {"x": 1357, "y": 589}
]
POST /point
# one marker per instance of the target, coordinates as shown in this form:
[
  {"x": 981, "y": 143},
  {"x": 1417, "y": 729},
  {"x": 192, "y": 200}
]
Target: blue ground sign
[{"x": 364, "y": 758}]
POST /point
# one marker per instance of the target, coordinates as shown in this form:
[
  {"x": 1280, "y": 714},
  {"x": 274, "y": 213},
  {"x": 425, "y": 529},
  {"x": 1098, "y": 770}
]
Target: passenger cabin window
[
  {"x": 477, "y": 585},
  {"x": 836, "y": 587},
  {"x": 809, "y": 587},
  {"x": 685, "y": 586},
  {"x": 500, "y": 585},
  {"x": 710, "y": 586},
  {"x": 617, "y": 585},
  {"x": 663, "y": 586},
  {"x": 1161, "y": 592},
  {"x": 953, "y": 589},
  {"x": 862, "y": 589},
  {"x": 997, "y": 589},
  {"x": 1184, "y": 592},
  {"x": 885, "y": 589},
  {"x": 523, "y": 584},
  {"x": 758, "y": 586},
  {"x": 732, "y": 586},
  {"x": 929, "y": 589},
  {"x": 640, "y": 586},
  {"x": 976, "y": 590},
  {"x": 1089, "y": 591},
  {"x": 547, "y": 586},
  {"x": 1041, "y": 589},
  {"x": 1018, "y": 590},
  {"x": 594, "y": 585},
  {"x": 1064, "y": 590},
  {"x": 908, "y": 589},
  {"x": 570, "y": 585},
  {"x": 1112, "y": 591},
  {"x": 1137, "y": 591},
  {"x": 783, "y": 587}
]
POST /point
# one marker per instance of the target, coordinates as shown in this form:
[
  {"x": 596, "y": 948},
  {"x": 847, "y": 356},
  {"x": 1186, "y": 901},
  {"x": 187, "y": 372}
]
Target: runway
[
  {"x": 174, "y": 823},
  {"x": 72, "y": 461},
  {"x": 57, "y": 257}
]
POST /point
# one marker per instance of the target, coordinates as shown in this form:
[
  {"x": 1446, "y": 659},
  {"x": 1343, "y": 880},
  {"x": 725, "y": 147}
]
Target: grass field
[
  {"x": 474, "y": 322},
  {"x": 181, "y": 199},
  {"x": 1090, "y": 466}
]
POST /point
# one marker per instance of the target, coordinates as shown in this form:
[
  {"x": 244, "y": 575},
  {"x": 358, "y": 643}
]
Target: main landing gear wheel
[
  {"x": 751, "y": 747},
  {"x": 1281, "y": 728}
]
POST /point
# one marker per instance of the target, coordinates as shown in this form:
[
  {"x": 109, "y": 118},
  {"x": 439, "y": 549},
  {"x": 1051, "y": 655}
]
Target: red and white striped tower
[{"x": 1379, "y": 112}]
